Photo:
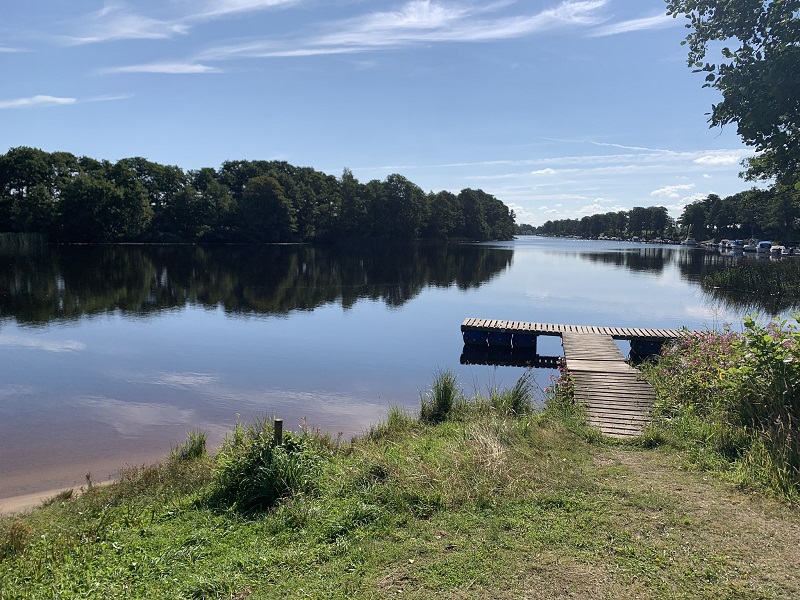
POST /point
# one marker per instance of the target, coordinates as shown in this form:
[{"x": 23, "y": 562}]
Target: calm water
[{"x": 110, "y": 355}]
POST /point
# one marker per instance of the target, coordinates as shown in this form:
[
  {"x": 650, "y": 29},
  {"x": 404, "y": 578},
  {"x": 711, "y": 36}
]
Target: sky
[{"x": 559, "y": 108}]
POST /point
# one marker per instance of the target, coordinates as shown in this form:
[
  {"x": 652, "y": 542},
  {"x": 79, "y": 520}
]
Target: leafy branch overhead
[{"x": 757, "y": 49}]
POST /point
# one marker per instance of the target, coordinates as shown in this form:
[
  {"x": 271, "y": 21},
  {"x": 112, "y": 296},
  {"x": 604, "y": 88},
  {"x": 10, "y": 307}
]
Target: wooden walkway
[
  {"x": 618, "y": 400},
  {"x": 618, "y": 333}
]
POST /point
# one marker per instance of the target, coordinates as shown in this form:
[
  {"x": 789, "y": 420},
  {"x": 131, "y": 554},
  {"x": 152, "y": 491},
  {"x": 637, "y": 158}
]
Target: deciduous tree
[{"x": 758, "y": 46}]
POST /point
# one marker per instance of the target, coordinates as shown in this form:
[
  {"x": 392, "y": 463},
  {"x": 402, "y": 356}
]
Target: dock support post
[{"x": 277, "y": 438}]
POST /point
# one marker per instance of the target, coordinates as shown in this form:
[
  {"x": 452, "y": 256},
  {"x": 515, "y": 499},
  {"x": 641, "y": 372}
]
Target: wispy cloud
[
  {"x": 547, "y": 171},
  {"x": 116, "y": 22},
  {"x": 420, "y": 22},
  {"x": 220, "y": 8},
  {"x": 10, "y": 50},
  {"x": 167, "y": 68},
  {"x": 36, "y": 101},
  {"x": 50, "y": 101},
  {"x": 659, "y": 21},
  {"x": 33, "y": 343}
]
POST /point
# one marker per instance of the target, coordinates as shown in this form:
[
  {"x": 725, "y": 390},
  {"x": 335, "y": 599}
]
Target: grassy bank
[{"x": 472, "y": 498}]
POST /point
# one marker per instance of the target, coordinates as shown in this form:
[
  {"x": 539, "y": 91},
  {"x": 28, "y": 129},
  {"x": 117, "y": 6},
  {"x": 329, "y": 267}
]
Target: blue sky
[{"x": 559, "y": 108}]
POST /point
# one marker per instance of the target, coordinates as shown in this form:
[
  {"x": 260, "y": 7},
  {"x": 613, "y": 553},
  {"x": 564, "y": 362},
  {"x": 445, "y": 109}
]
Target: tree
[
  {"x": 445, "y": 217},
  {"x": 265, "y": 214},
  {"x": 693, "y": 219},
  {"x": 757, "y": 75},
  {"x": 473, "y": 205}
]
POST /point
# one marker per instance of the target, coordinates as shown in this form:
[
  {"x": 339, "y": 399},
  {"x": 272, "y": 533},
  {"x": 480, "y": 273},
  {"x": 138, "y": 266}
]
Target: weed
[
  {"x": 192, "y": 449},
  {"x": 14, "y": 537},
  {"x": 437, "y": 404}
]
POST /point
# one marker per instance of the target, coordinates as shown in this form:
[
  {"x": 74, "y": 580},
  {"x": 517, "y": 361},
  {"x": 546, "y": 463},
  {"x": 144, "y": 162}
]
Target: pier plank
[{"x": 617, "y": 400}]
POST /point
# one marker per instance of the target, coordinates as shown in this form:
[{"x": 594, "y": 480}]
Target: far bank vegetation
[{"x": 81, "y": 199}]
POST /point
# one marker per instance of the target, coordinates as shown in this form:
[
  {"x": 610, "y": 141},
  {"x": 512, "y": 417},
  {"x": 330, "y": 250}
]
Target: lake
[{"x": 111, "y": 354}]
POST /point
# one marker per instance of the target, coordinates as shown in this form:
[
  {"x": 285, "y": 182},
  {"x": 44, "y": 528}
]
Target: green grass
[{"x": 491, "y": 500}]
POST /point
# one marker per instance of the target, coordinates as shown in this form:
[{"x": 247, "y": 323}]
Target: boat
[
  {"x": 763, "y": 247},
  {"x": 689, "y": 242},
  {"x": 725, "y": 244},
  {"x": 751, "y": 246},
  {"x": 737, "y": 245}
]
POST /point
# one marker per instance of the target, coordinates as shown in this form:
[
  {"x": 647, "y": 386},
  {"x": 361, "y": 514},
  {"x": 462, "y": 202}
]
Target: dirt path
[{"x": 733, "y": 534}]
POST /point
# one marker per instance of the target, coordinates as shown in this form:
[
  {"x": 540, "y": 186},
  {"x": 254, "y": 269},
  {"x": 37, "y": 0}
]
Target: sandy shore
[{"x": 28, "y": 486}]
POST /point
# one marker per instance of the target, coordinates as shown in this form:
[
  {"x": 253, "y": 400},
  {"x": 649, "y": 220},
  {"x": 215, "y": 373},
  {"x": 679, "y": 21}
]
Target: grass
[{"x": 490, "y": 499}]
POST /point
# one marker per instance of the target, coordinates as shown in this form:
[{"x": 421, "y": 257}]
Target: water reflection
[
  {"x": 65, "y": 283},
  {"x": 693, "y": 265}
]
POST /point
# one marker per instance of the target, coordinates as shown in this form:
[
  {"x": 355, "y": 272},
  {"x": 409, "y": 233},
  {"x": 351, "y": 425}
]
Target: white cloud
[
  {"x": 45, "y": 101},
  {"x": 42, "y": 344},
  {"x": 174, "y": 68},
  {"x": 115, "y": 22},
  {"x": 719, "y": 158},
  {"x": 220, "y": 8},
  {"x": 592, "y": 209},
  {"x": 671, "y": 191},
  {"x": 36, "y": 101},
  {"x": 10, "y": 50},
  {"x": 659, "y": 21},
  {"x": 420, "y": 22},
  {"x": 547, "y": 171}
]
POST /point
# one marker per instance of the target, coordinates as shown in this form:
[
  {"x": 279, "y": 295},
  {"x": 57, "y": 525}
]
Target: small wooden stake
[{"x": 278, "y": 432}]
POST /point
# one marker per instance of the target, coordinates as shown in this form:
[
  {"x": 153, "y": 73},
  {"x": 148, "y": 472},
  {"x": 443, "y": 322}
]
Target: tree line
[
  {"x": 756, "y": 213},
  {"x": 80, "y": 199},
  {"x": 642, "y": 222}
]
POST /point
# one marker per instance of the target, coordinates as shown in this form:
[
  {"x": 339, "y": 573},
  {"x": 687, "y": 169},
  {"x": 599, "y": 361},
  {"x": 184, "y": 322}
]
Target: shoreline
[{"x": 26, "y": 488}]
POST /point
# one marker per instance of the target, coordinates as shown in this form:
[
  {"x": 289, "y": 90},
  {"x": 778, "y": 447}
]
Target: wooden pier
[{"x": 618, "y": 400}]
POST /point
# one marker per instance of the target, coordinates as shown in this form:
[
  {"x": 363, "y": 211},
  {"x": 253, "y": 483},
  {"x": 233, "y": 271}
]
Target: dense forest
[
  {"x": 765, "y": 214},
  {"x": 80, "y": 199}
]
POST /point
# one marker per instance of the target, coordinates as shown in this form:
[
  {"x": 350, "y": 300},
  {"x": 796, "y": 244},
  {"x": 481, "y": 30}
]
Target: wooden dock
[
  {"x": 618, "y": 400},
  {"x": 525, "y": 328}
]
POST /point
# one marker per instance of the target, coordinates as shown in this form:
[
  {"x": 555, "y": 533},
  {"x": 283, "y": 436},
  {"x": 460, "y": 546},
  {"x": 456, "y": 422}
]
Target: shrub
[
  {"x": 254, "y": 474},
  {"x": 732, "y": 401}
]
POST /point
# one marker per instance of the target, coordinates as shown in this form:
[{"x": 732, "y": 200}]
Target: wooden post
[{"x": 278, "y": 432}]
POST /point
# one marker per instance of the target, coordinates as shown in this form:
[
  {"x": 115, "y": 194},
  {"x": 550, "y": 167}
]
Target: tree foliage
[
  {"x": 765, "y": 214},
  {"x": 85, "y": 200},
  {"x": 643, "y": 222},
  {"x": 758, "y": 48}
]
